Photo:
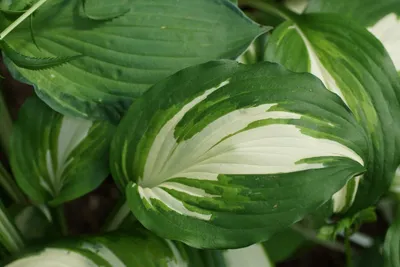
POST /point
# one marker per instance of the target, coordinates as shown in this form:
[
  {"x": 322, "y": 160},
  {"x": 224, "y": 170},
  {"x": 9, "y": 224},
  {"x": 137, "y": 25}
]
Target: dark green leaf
[
  {"x": 371, "y": 257},
  {"x": 123, "y": 57},
  {"x": 391, "y": 250},
  {"x": 283, "y": 245}
]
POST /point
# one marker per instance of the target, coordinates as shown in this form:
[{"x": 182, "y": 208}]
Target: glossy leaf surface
[{"x": 126, "y": 45}]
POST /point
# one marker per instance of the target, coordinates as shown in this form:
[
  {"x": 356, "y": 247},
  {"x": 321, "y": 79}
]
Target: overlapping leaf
[
  {"x": 125, "y": 51},
  {"x": 58, "y": 158},
  {"x": 114, "y": 250},
  {"x": 224, "y": 155},
  {"x": 381, "y": 18},
  {"x": 354, "y": 65},
  {"x": 137, "y": 248}
]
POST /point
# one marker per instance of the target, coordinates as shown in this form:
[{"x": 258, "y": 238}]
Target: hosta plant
[{"x": 236, "y": 133}]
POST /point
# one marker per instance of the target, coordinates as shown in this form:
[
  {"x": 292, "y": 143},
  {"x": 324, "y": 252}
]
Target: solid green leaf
[
  {"x": 381, "y": 17},
  {"x": 284, "y": 244},
  {"x": 124, "y": 56},
  {"x": 391, "y": 249},
  {"x": 57, "y": 158},
  {"x": 33, "y": 63},
  {"x": 354, "y": 65},
  {"x": 371, "y": 257},
  {"x": 224, "y": 155},
  {"x": 34, "y": 222}
]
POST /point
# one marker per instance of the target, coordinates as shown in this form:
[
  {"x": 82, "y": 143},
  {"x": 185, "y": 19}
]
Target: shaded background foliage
[{"x": 87, "y": 214}]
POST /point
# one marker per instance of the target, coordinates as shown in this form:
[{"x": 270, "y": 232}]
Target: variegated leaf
[
  {"x": 354, "y": 65},
  {"x": 138, "y": 248},
  {"x": 114, "y": 250},
  {"x": 126, "y": 46},
  {"x": 58, "y": 158},
  {"x": 254, "y": 255},
  {"x": 381, "y": 17},
  {"x": 223, "y": 155}
]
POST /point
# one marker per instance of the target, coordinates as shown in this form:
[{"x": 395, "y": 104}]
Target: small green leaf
[
  {"x": 124, "y": 56},
  {"x": 255, "y": 52},
  {"x": 233, "y": 151},
  {"x": 371, "y": 257},
  {"x": 34, "y": 223},
  {"x": 284, "y": 244},
  {"x": 391, "y": 250},
  {"x": 58, "y": 158},
  {"x": 33, "y": 63}
]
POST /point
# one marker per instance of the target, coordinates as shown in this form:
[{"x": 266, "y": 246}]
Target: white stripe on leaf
[
  {"x": 161, "y": 147},
  {"x": 254, "y": 255},
  {"x": 177, "y": 260},
  {"x": 171, "y": 202},
  {"x": 72, "y": 132},
  {"x": 387, "y": 30},
  {"x": 340, "y": 198},
  {"x": 318, "y": 69},
  {"x": 52, "y": 257},
  {"x": 103, "y": 252},
  {"x": 226, "y": 146}
]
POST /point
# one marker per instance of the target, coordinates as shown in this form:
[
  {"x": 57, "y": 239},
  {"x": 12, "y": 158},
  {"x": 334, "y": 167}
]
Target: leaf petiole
[{"x": 24, "y": 16}]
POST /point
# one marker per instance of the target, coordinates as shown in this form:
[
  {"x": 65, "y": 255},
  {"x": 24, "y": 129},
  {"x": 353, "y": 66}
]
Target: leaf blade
[
  {"x": 366, "y": 79},
  {"x": 182, "y": 176},
  {"x": 125, "y": 56},
  {"x": 67, "y": 157}
]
